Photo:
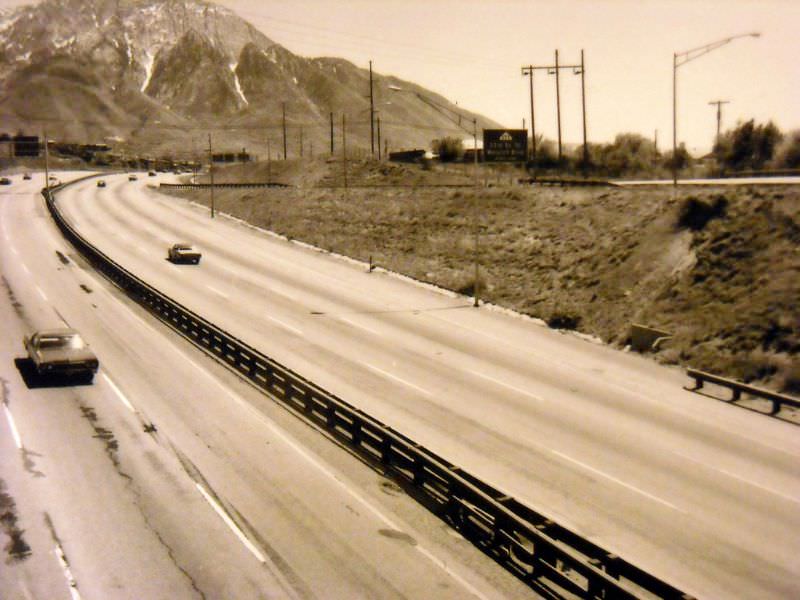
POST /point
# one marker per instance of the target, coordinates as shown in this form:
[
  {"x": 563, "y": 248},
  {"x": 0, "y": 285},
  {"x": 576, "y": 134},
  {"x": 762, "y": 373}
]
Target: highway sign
[{"x": 505, "y": 145}]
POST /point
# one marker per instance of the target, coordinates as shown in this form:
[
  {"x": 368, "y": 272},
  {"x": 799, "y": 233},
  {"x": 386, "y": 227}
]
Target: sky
[{"x": 472, "y": 52}]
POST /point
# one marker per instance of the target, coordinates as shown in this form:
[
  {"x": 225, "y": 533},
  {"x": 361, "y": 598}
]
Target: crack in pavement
[{"x": 17, "y": 548}]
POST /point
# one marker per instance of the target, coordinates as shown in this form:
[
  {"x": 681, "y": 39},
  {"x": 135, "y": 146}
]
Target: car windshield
[
  {"x": 183, "y": 246},
  {"x": 67, "y": 340}
]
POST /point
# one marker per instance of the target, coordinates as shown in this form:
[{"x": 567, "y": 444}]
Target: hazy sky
[{"x": 471, "y": 51}]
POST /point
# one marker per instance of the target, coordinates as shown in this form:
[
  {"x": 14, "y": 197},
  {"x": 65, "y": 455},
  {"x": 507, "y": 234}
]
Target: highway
[
  {"x": 702, "y": 494},
  {"x": 171, "y": 478}
]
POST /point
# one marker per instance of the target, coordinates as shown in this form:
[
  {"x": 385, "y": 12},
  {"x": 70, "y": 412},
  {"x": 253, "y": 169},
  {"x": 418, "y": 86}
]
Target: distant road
[
  {"x": 724, "y": 181},
  {"x": 702, "y": 494}
]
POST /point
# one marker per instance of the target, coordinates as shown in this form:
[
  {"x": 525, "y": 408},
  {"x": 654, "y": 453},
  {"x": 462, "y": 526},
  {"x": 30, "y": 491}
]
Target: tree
[
  {"x": 449, "y": 149},
  {"x": 680, "y": 160},
  {"x": 748, "y": 146},
  {"x": 787, "y": 154}
]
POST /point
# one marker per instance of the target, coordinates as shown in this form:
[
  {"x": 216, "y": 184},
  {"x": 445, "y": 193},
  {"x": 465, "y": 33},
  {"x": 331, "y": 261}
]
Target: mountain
[{"x": 160, "y": 75}]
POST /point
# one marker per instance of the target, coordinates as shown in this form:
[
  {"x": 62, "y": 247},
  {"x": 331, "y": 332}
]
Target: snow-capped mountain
[{"x": 156, "y": 72}]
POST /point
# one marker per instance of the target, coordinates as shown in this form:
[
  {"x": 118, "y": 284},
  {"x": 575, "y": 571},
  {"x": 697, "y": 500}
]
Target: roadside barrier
[
  {"x": 190, "y": 186},
  {"x": 737, "y": 387},
  {"x": 549, "y": 558}
]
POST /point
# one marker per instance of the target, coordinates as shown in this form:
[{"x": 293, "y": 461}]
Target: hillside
[
  {"x": 160, "y": 75},
  {"x": 718, "y": 268}
]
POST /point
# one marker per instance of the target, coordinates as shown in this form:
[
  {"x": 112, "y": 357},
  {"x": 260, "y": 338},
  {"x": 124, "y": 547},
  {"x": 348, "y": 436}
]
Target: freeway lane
[
  {"x": 170, "y": 478},
  {"x": 702, "y": 494}
]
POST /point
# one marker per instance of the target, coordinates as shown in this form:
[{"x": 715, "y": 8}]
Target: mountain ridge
[{"x": 159, "y": 74}]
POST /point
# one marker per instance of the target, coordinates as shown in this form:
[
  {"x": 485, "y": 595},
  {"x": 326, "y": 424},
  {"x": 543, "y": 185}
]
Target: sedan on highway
[
  {"x": 101, "y": 183},
  {"x": 26, "y": 176},
  {"x": 61, "y": 352},
  {"x": 5, "y": 181},
  {"x": 183, "y": 252},
  {"x": 132, "y": 177}
]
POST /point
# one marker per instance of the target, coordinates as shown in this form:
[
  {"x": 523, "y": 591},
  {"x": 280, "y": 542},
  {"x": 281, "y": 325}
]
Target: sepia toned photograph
[{"x": 399, "y": 299}]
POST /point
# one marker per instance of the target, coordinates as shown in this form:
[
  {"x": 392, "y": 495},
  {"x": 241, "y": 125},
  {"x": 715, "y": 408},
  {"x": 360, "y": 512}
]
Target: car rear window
[{"x": 73, "y": 341}]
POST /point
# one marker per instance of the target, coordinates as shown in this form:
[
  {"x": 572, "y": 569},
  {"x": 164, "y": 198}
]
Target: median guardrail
[
  {"x": 549, "y": 558},
  {"x": 190, "y": 186},
  {"x": 737, "y": 388}
]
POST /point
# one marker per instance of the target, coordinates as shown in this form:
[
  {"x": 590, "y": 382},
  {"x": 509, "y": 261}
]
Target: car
[
  {"x": 5, "y": 181},
  {"x": 61, "y": 351},
  {"x": 26, "y": 176},
  {"x": 101, "y": 183},
  {"x": 183, "y": 252},
  {"x": 132, "y": 177},
  {"x": 151, "y": 173}
]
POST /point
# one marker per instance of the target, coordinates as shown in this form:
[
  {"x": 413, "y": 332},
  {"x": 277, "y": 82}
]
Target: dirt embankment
[{"x": 719, "y": 268}]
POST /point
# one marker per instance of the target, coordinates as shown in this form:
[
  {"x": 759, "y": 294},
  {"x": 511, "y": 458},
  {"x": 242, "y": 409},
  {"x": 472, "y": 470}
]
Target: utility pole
[
  {"x": 301, "y": 142},
  {"x": 529, "y": 72},
  {"x": 476, "y": 301},
  {"x": 379, "y": 138},
  {"x": 558, "y": 110},
  {"x": 719, "y": 104},
  {"x": 269, "y": 161},
  {"x": 583, "y": 104},
  {"x": 554, "y": 70},
  {"x": 331, "y": 134},
  {"x": 211, "y": 173},
  {"x": 46, "y": 165},
  {"x": 344, "y": 150},
  {"x": 284, "y": 131},
  {"x": 371, "y": 113}
]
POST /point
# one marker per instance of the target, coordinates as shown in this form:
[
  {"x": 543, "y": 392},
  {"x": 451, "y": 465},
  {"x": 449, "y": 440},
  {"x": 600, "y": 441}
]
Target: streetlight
[
  {"x": 457, "y": 120},
  {"x": 681, "y": 58}
]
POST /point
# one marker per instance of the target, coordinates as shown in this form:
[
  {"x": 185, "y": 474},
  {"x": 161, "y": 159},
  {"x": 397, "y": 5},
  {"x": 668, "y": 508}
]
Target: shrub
[{"x": 694, "y": 213}]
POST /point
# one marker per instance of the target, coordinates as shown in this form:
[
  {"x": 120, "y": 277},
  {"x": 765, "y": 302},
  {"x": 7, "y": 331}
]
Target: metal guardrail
[
  {"x": 549, "y": 558},
  {"x": 189, "y": 186},
  {"x": 737, "y": 387}
]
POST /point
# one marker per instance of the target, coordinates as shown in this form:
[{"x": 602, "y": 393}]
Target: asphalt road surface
[
  {"x": 702, "y": 494},
  {"x": 171, "y": 478}
]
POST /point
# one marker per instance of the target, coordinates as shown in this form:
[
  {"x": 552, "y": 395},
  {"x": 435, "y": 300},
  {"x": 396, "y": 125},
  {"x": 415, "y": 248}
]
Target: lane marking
[
  {"x": 25, "y": 268},
  {"x": 618, "y": 481},
  {"x": 229, "y": 522},
  {"x": 737, "y": 477},
  {"x": 329, "y": 473},
  {"x": 117, "y": 391},
  {"x": 13, "y": 426},
  {"x": 216, "y": 291},
  {"x": 397, "y": 379},
  {"x": 72, "y": 584},
  {"x": 285, "y": 325},
  {"x": 509, "y": 386},
  {"x": 359, "y": 326},
  {"x": 359, "y": 498},
  {"x": 42, "y": 294},
  {"x": 14, "y": 250}
]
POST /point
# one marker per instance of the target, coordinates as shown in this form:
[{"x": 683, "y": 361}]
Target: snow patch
[
  {"x": 148, "y": 69},
  {"x": 236, "y": 82},
  {"x": 295, "y": 80}
]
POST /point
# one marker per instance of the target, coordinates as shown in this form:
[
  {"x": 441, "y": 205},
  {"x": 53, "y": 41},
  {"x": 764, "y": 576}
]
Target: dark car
[
  {"x": 101, "y": 183},
  {"x": 183, "y": 252},
  {"x": 132, "y": 177},
  {"x": 151, "y": 173},
  {"x": 61, "y": 352},
  {"x": 5, "y": 181},
  {"x": 26, "y": 176}
]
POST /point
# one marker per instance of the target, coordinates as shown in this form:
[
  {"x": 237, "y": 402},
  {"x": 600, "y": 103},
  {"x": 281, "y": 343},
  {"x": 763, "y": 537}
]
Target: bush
[
  {"x": 449, "y": 149},
  {"x": 694, "y": 213}
]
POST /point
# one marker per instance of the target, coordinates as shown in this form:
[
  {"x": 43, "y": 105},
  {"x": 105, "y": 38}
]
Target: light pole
[
  {"x": 679, "y": 59},
  {"x": 456, "y": 117}
]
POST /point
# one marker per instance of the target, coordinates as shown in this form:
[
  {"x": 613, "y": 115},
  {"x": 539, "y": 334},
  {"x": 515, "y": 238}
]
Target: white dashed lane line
[{"x": 13, "y": 427}]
